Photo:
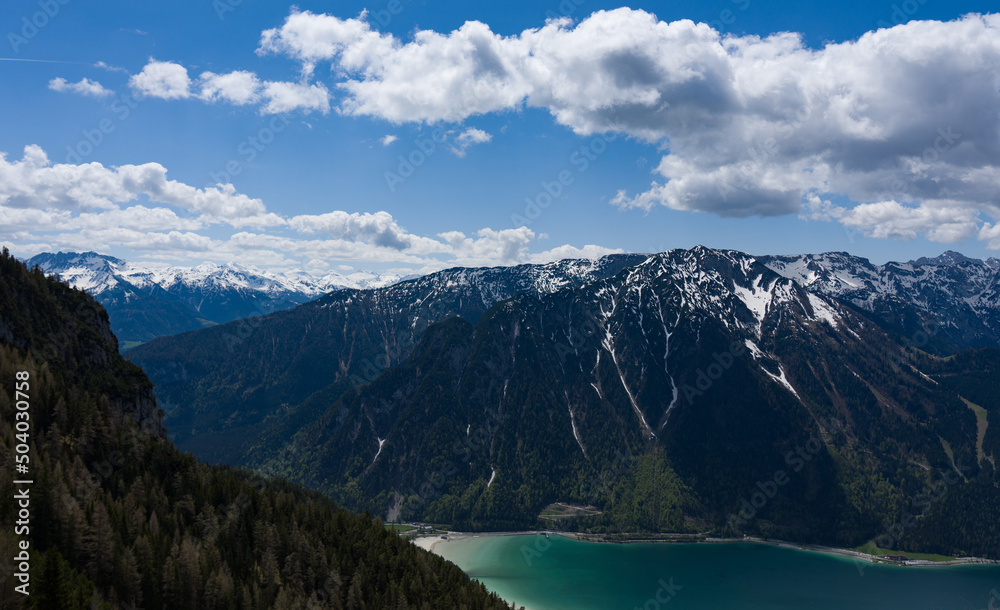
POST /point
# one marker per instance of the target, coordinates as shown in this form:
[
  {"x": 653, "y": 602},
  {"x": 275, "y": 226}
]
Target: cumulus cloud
[
  {"x": 563, "y": 252},
  {"x": 84, "y": 87},
  {"x": 285, "y": 97},
  {"x": 990, "y": 233},
  {"x": 467, "y": 138},
  {"x": 378, "y": 228},
  {"x": 34, "y": 182},
  {"x": 239, "y": 87},
  {"x": 902, "y": 120},
  {"x": 388, "y": 139},
  {"x": 162, "y": 79},
  {"x": 894, "y": 220},
  {"x": 48, "y": 206},
  {"x": 171, "y": 81},
  {"x": 488, "y": 245}
]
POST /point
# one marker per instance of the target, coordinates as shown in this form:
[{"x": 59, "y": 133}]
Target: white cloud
[
  {"x": 378, "y": 228},
  {"x": 893, "y": 220},
  {"x": 163, "y": 243},
  {"x": 168, "y": 80},
  {"x": 162, "y": 79},
  {"x": 490, "y": 246},
  {"x": 389, "y": 139},
  {"x": 753, "y": 126},
  {"x": 110, "y": 68},
  {"x": 35, "y": 183},
  {"x": 285, "y": 97},
  {"x": 63, "y": 206},
  {"x": 434, "y": 78},
  {"x": 239, "y": 87},
  {"x": 84, "y": 87},
  {"x": 309, "y": 38},
  {"x": 563, "y": 252},
  {"x": 990, "y": 233},
  {"x": 467, "y": 138}
]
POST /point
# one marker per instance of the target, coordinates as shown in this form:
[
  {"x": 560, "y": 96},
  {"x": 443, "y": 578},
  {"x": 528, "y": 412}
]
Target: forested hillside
[
  {"x": 698, "y": 391},
  {"x": 121, "y": 519}
]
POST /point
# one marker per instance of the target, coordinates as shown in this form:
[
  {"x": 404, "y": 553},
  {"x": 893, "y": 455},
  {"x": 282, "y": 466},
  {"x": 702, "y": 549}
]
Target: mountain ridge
[
  {"x": 949, "y": 302},
  {"x": 685, "y": 373},
  {"x": 703, "y": 367},
  {"x": 147, "y": 301}
]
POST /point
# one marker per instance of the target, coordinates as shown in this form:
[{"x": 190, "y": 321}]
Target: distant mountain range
[
  {"x": 945, "y": 303},
  {"x": 147, "y": 301},
  {"x": 692, "y": 390},
  {"x": 230, "y": 382}
]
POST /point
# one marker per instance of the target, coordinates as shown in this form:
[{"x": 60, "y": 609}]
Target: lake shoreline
[{"x": 429, "y": 543}]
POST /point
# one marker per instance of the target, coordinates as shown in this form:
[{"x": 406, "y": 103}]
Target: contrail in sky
[{"x": 43, "y": 61}]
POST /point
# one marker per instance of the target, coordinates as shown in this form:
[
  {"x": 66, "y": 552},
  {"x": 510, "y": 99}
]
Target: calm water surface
[{"x": 562, "y": 574}]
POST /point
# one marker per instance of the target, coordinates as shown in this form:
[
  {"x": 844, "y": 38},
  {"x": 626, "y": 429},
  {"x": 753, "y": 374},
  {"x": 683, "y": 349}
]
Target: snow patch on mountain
[
  {"x": 97, "y": 274},
  {"x": 782, "y": 379},
  {"x": 823, "y": 311}
]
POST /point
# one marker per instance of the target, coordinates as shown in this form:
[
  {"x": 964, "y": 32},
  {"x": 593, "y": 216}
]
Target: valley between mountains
[{"x": 815, "y": 398}]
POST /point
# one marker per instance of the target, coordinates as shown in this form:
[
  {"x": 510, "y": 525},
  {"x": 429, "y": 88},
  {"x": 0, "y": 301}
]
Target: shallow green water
[{"x": 562, "y": 574}]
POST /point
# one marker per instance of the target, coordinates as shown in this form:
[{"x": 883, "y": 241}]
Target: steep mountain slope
[
  {"x": 693, "y": 378},
  {"x": 942, "y": 304},
  {"x": 120, "y": 518},
  {"x": 264, "y": 378},
  {"x": 146, "y": 302}
]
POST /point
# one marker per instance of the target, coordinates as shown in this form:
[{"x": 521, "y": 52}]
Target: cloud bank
[
  {"x": 895, "y": 134},
  {"x": 904, "y": 121},
  {"x": 47, "y": 207}
]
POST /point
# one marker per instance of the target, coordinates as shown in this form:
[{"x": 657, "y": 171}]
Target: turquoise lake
[{"x": 563, "y": 574}]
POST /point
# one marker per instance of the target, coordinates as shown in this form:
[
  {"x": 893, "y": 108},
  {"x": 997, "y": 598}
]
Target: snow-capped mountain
[
  {"x": 942, "y": 303},
  {"x": 146, "y": 301},
  {"x": 704, "y": 369}
]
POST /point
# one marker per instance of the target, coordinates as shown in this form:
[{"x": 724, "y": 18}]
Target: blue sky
[{"x": 651, "y": 133}]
